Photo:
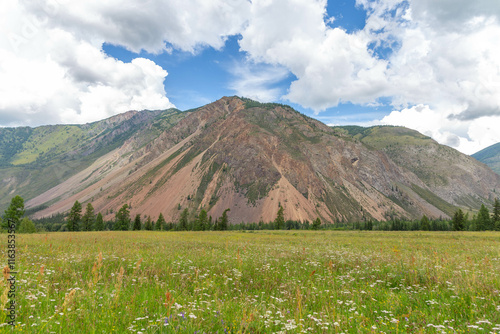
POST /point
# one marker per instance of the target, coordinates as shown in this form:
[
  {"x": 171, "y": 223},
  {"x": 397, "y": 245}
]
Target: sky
[{"x": 433, "y": 66}]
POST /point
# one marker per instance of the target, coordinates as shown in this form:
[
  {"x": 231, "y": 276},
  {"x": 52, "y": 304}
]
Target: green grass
[
  {"x": 34, "y": 160},
  {"x": 270, "y": 281},
  {"x": 435, "y": 200},
  {"x": 49, "y": 139},
  {"x": 11, "y": 142},
  {"x": 205, "y": 180},
  {"x": 382, "y": 137}
]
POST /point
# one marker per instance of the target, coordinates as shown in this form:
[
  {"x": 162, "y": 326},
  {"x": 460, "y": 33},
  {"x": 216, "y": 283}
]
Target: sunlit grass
[{"x": 268, "y": 281}]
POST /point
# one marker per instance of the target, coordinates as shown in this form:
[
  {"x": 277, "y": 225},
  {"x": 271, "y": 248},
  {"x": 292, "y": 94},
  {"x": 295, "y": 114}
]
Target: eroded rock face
[{"x": 251, "y": 158}]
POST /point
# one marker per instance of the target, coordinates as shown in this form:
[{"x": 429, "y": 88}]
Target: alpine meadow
[
  {"x": 259, "y": 282},
  {"x": 344, "y": 252}
]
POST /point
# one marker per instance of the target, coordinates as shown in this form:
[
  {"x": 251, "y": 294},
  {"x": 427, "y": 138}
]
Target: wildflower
[
  {"x": 68, "y": 299},
  {"x": 6, "y": 273}
]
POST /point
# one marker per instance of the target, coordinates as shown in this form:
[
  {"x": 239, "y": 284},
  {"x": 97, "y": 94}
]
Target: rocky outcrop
[{"x": 252, "y": 158}]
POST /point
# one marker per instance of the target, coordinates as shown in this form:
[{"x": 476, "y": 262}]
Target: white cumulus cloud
[
  {"x": 148, "y": 25},
  {"x": 442, "y": 55},
  {"x": 53, "y": 69},
  {"x": 448, "y": 59},
  {"x": 433, "y": 60},
  {"x": 257, "y": 81},
  {"x": 330, "y": 65},
  {"x": 50, "y": 75},
  {"x": 467, "y": 136}
]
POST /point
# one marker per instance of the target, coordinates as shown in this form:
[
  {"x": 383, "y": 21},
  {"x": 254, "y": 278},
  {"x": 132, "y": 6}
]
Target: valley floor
[{"x": 262, "y": 282}]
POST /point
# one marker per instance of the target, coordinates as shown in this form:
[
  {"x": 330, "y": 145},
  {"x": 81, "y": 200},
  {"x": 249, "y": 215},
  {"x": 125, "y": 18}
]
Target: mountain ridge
[
  {"x": 490, "y": 156},
  {"x": 253, "y": 158}
]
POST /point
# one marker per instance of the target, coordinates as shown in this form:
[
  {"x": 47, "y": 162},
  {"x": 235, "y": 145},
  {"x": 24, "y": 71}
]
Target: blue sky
[
  {"x": 433, "y": 66},
  {"x": 197, "y": 79}
]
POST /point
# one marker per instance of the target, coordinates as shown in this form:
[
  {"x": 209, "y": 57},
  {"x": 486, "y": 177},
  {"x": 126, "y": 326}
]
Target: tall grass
[{"x": 263, "y": 282}]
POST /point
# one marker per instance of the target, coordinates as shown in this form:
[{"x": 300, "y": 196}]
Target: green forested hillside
[
  {"x": 490, "y": 156},
  {"x": 11, "y": 142},
  {"x": 32, "y": 160},
  {"x": 383, "y": 137}
]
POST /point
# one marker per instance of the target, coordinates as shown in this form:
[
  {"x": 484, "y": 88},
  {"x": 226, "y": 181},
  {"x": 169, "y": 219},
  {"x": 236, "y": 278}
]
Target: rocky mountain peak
[{"x": 255, "y": 157}]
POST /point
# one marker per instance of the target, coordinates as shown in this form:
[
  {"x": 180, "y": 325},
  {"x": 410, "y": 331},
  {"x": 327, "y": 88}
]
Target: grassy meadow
[{"x": 262, "y": 282}]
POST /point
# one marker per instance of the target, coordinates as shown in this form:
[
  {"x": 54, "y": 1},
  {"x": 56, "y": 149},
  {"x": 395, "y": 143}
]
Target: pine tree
[
  {"x": 26, "y": 226},
  {"x": 483, "y": 219},
  {"x": 458, "y": 220},
  {"x": 170, "y": 226},
  {"x": 197, "y": 224},
  {"x": 99, "y": 222},
  {"x": 88, "y": 218},
  {"x": 161, "y": 223},
  {"x": 279, "y": 222},
  {"x": 122, "y": 219},
  {"x": 203, "y": 220},
  {"x": 316, "y": 224},
  {"x": 467, "y": 222},
  {"x": 74, "y": 217},
  {"x": 369, "y": 225},
  {"x": 224, "y": 220},
  {"x": 14, "y": 212},
  {"x": 210, "y": 225},
  {"x": 148, "y": 226},
  {"x": 305, "y": 224},
  {"x": 496, "y": 215},
  {"x": 425, "y": 224},
  {"x": 137, "y": 223},
  {"x": 183, "y": 221}
]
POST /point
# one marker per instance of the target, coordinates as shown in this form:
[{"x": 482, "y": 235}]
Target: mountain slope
[
  {"x": 490, "y": 156},
  {"x": 33, "y": 160},
  {"x": 252, "y": 158},
  {"x": 450, "y": 175}
]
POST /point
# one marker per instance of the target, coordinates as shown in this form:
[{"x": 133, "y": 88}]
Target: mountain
[
  {"x": 450, "y": 177},
  {"x": 33, "y": 160},
  {"x": 490, "y": 156},
  {"x": 239, "y": 154}
]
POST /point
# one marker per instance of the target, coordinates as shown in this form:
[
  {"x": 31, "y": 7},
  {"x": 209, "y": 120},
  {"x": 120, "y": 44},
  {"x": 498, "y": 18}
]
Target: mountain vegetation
[
  {"x": 14, "y": 212},
  {"x": 430, "y": 162},
  {"x": 34, "y": 160},
  {"x": 258, "y": 282},
  {"x": 238, "y": 161},
  {"x": 490, "y": 156},
  {"x": 74, "y": 222}
]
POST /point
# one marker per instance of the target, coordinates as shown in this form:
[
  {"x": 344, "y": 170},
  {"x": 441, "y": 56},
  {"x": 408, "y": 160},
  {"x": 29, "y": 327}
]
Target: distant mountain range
[
  {"x": 490, "y": 156},
  {"x": 239, "y": 154}
]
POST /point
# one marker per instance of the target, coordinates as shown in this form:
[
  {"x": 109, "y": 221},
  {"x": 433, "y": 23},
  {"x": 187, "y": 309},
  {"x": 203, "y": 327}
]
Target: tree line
[
  {"x": 76, "y": 220},
  {"x": 124, "y": 222}
]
